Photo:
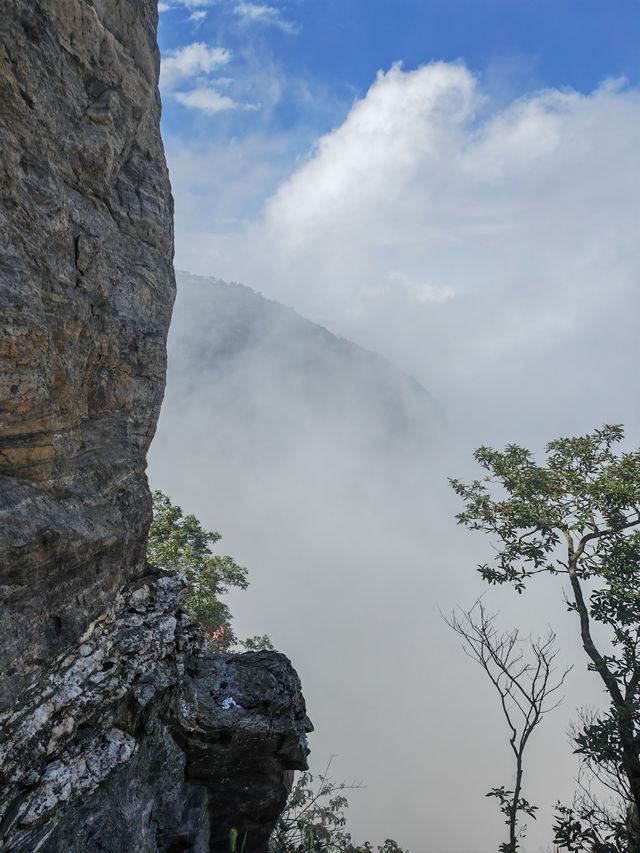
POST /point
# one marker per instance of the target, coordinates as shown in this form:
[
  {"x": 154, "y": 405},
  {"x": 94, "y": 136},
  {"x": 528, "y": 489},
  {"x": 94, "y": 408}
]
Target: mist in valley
[
  {"x": 326, "y": 471},
  {"x": 482, "y": 259}
]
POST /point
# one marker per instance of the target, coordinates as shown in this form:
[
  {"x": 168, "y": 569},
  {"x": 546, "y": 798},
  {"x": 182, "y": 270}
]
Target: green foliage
[
  {"x": 585, "y": 490},
  {"x": 259, "y": 643},
  {"x": 180, "y": 543},
  {"x": 314, "y": 820},
  {"x": 584, "y": 827},
  {"x": 511, "y": 804},
  {"x": 578, "y": 517}
]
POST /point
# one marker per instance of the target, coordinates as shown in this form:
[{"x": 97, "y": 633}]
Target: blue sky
[
  {"x": 267, "y": 79},
  {"x": 336, "y": 46},
  {"x": 453, "y": 183}
]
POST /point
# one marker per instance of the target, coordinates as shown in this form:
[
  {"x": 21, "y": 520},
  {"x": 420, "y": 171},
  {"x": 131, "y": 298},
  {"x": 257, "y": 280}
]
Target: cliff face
[
  {"x": 86, "y": 286},
  {"x": 119, "y": 731}
]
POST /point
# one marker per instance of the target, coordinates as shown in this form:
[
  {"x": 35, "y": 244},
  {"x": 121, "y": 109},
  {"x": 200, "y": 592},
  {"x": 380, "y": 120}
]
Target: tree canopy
[
  {"x": 578, "y": 517},
  {"x": 178, "y": 542}
]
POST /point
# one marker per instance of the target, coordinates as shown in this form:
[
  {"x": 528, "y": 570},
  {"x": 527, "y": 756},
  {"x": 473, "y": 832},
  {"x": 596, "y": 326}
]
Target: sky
[
  {"x": 453, "y": 185},
  {"x": 464, "y": 173}
]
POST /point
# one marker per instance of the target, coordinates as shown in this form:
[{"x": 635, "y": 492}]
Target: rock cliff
[
  {"x": 119, "y": 730},
  {"x": 86, "y": 287}
]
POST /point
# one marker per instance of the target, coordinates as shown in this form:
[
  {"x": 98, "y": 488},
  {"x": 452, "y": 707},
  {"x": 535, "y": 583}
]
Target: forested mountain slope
[{"x": 263, "y": 378}]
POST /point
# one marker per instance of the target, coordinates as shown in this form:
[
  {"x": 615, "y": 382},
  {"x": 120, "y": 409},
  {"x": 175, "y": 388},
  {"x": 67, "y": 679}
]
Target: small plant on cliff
[
  {"x": 233, "y": 842},
  {"x": 259, "y": 643},
  {"x": 179, "y": 542},
  {"x": 314, "y": 820}
]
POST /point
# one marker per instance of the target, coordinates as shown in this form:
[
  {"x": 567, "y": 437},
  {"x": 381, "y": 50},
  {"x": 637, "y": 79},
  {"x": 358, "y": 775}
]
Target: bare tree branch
[{"x": 523, "y": 673}]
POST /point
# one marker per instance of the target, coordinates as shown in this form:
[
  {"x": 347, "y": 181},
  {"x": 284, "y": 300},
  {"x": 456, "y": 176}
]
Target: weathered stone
[
  {"x": 140, "y": 738},
  {"x": 86, "y": 289},
  {"x": 244, "y": 722}
]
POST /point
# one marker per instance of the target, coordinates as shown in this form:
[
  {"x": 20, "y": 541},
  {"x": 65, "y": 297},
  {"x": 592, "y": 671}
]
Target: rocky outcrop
[
  {"x": 245, "y": 728},
  {"x": 140, "y": 739},
  {"x": 119, "y": 730}
]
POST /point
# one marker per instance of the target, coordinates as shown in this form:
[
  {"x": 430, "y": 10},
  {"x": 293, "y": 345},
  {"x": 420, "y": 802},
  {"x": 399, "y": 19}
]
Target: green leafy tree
[
  {"x": 314, "y": 820},
  {"x": 179, "y": 543},
  {"x": 577, "y": 517}
]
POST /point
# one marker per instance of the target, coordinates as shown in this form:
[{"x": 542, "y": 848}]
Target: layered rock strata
[
  {"x": 86, "y": 292},
  {"x": 119, "y": 730}
]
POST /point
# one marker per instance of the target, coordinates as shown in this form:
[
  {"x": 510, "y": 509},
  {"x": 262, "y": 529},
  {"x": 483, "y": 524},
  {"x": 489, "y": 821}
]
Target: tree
[
  {"x": 527, "y": 691},
  {"x": 576, "y": 517},
  {"x": 314, "y": 820},
  {"x": 600, "y": 817},
  {"x": 180, "y": 543},
  {"x": 259, "y": 643}
]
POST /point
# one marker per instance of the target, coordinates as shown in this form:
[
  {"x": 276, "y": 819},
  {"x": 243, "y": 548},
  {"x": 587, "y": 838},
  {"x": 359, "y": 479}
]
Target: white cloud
[
  {"x": 189, "y": 61},
  {"x": 421, "y": 291},
  {"x": 406, "y": 121},
  {"x": 461, "y": 242},
  {"x": 251, "y": 13},
  {"x": 196, "y": 17},
  {"x": 191, "y": 66},
  {"x": 208, "y": 100},
  {"x": 185, "y": 4}
]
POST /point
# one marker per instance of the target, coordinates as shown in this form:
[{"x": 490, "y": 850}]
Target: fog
[{"x": 489, "y": 251}]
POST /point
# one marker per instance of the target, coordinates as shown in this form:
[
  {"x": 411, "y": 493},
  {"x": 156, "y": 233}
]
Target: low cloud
[
  {"x": 209, "y": 101},
  {"x": 186, "y": 76},
  {"x": 256, "y": 13},
  {"x": 472, "y": 245},
  {"x": 190, "y": 61}
]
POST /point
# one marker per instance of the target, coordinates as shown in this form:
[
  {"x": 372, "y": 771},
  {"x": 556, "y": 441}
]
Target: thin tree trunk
[
  {"x": 513, "y": 816},
  {"x": 624, "y": 710}
]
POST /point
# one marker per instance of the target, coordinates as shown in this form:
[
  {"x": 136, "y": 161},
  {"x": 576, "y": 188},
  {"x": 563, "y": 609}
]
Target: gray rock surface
[
  {"x": 119, "y": 729},
  {"x": 140, "y": 739},
  {"x": 86, "y": 289}
]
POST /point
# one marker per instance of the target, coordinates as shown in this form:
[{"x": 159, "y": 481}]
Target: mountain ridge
[{"x": 230, "y": 341}]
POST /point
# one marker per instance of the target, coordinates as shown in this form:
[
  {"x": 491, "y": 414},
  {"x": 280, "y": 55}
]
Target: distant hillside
[{"x": 240, "y": 363}]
